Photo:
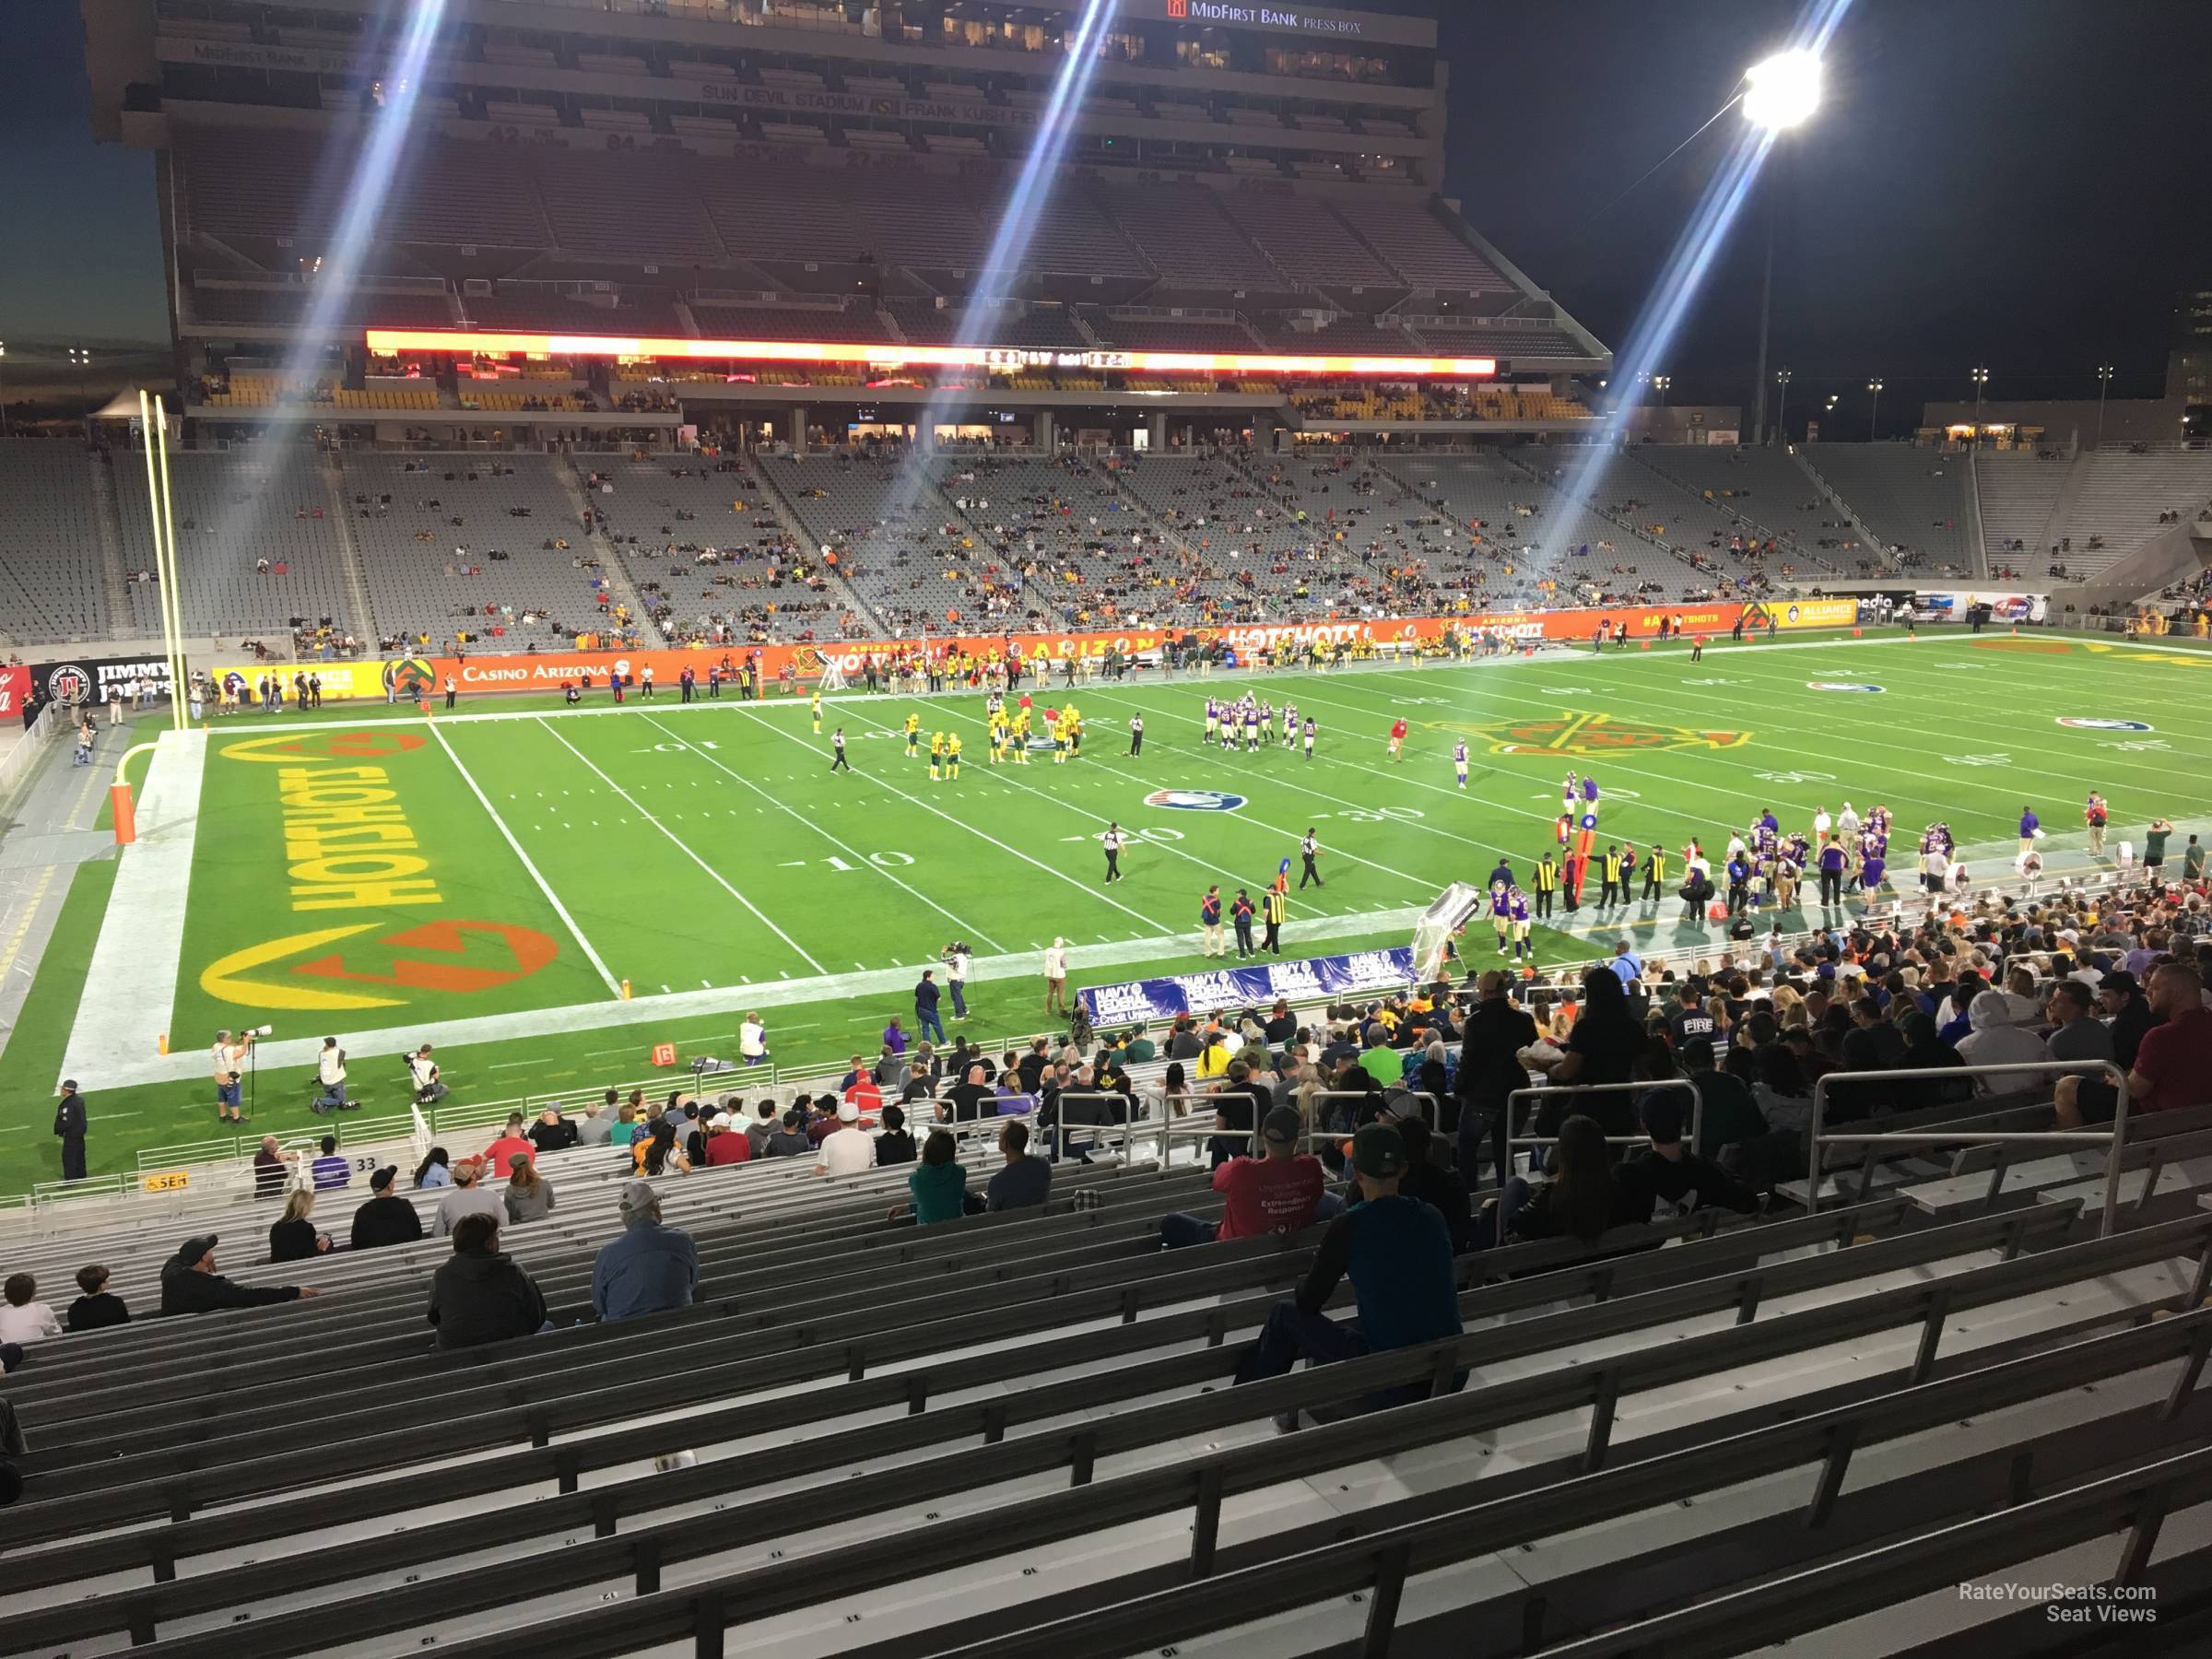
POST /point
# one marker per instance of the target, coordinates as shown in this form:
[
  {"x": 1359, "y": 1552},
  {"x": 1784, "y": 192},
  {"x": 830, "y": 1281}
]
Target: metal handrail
[
  {"x": 2113, "y": 1139},
  {"x": 1697, "y": 1110}
]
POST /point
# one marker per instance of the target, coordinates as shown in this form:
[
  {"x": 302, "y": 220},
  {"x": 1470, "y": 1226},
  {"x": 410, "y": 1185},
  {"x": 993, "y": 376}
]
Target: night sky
[{"x": 2017, "y": 182}]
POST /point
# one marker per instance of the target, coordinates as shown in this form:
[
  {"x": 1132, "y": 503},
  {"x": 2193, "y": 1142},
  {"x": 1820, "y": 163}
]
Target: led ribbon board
[{"x": 395, "y": 341}]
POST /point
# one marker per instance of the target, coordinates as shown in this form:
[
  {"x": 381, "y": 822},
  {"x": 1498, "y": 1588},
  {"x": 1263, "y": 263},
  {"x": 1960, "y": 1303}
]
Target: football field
[{"x": 525, "y": 884}]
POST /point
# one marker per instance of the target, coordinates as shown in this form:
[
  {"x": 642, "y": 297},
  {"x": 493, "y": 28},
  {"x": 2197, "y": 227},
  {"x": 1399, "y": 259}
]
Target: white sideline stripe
[
  {"x": 965, "y": 927},
  {"x": 686, "y": 848},
  {"x": 614, "y": 986},
  {"x": 131, "y": 986},
  {"x": 723, "y": 999}
]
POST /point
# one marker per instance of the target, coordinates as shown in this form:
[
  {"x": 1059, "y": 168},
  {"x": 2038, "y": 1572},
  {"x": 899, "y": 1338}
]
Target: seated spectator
[
  {"x": 658, "y": 1153},
  {"x": 434, "y": 1171},
  {"x": 624, "y": 1129},
  {"x": 97, "y": 1308},
  {"x": 499, "y": 1156},
  {"x": 1025, "y": 1180},
  {"x": 595, "y": 1126},
  {"x": 479, "y": 1295},
  {"x": 726, "y": 1144},
  {"x": 896, "y": 1144},
  {"x": 292, "y": 1237},
  {"x": 791, "y": 1140},
  {"x": 1669, "y": 1173},
  {"x": 1434, "y": 1186},
  {"x": 23, "y": 1318},
  {"x": 1580, "y": 1199},
  {"x": 763, "y": 1125},
  {"x": 331, "y": 1171},
  {"x": 529, "y": 1196},
  {"x": 938, "y": 1184},
  {"x": 651, "y": 1268},
  {"x": 271, "y": 1170},
  {"x": 553, "y": 1132},
  {"x": 1997, "y": 1039},
  {"x": 190, "y": 1285},
  {"x": 1729, "y": 1110},
  {"x": 849, "y": 1149},
  {"x": 1397, "y": 1253},
  {"x": 386, "y": 1219},
  {"x": 467, "y": 1197},
  {"x": 1279, "y": 1192}
]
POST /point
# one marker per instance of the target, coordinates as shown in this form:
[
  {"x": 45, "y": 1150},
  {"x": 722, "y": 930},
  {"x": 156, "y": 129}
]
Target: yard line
[
  {"x": 1100, "y": 818},
  {"x": 965, "y": 927},
  {"x": 614, "y": 986},
  {"x": 916, "y": 800},
  {"x": 685, "y": 848}
]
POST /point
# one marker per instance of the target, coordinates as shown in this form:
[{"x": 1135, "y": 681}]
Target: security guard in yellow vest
[
  {"x": 1654, "y": 872},
  {"x": 1609, "y": 890}
]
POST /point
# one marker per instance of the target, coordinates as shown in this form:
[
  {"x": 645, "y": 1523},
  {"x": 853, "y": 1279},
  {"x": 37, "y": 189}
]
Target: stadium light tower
[
  {"x": 2104, "y": 385},
  {"x": 3, "y": 390},
  {"x": 1980, "y": 379},
  {"x": 1663, "y": 383},
  {"x": 1780, "y": 94},
  {"x": 1782, "y": 408},
  {"x": 1874, "y": 413}
]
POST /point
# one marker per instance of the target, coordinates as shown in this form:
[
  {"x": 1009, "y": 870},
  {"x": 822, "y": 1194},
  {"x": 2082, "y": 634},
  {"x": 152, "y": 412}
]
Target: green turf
[{"x": 709, "y": 846}]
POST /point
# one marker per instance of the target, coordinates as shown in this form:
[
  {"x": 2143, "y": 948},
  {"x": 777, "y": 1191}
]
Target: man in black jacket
[
  {"x": 386, "y": 1219},
  {"x": 190, "y": 1285},
  {"x": 69, "y": 1123},
  {"x": 1497, "y": 1030},
  {"x": 479, "y": 1295}
]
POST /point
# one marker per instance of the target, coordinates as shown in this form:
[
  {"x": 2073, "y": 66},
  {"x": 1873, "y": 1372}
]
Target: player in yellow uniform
[
  {"x": 936, "y": 753},
  {"x": 913, "y": 737},
  {"x": 1074, "y": 737},
  {"x": 1022, "y": 739},
  {"x": 1060, "y": 741},
  {"x": 998, "y": 739},
  {"x": 952, "y": 755},
  {"x": 817, "y": 713}
]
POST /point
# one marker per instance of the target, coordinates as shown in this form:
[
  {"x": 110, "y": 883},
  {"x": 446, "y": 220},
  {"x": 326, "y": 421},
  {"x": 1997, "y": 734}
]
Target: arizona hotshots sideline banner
[{"x": 406, "y": 678}]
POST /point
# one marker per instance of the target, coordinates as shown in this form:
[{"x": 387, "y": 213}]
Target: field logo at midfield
[
  {"x": 2086, "y": 723},
  {"x": 1839, "y": 686},
  {"x": 410, "y": 676},
  {"x": 1590, "y": 734},
  {"x": 445, "y": 959},
  {"x": 1195, "y": 800}
]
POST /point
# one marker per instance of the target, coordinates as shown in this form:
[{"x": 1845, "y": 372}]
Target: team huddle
[{"x": 1256, "y": 723}]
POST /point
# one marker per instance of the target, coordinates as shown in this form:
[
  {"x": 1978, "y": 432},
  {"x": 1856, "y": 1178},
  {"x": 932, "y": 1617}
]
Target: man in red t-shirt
[
  {"x": 1397, "y": 738},
  {"x": 724, "y": 1143},
  {"x": 1280, "y": 1190},
  {"x": 2173, "y": 1065},
  {"x": 508, "y": 1145}
]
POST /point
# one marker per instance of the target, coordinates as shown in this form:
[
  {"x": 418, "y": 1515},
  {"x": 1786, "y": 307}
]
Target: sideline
[{"x": 131, "y": 985}]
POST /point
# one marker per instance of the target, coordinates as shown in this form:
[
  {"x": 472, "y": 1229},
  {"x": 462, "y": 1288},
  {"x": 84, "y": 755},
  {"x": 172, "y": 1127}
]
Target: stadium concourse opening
[{"x": 956, "y": 720}]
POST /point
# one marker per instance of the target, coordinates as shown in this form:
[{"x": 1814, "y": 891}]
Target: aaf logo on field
[
  {"x": 2084, "y": 722},
  {"x": 1195, "y": 800},
  {"x": 1837, "y": 686}
]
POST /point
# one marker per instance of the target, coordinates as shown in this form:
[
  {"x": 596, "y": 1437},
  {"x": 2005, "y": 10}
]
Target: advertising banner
[
  {"x": 1363, "y": 973},
  {"x": 404, "y": 678},
  {"x": 15, "y": 692},
  {"x": 96, "y": 680}
]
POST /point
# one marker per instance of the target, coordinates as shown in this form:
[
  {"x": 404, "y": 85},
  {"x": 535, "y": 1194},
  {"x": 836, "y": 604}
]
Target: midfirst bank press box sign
[{"x": 1312, "y": 978}]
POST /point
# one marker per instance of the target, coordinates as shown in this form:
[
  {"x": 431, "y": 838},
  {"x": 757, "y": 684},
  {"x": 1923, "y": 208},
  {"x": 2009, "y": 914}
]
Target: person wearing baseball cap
[
  {"x": 190, "y": 1285},
  {"x": 1279, "y": 1192},
  {"x": 1397, "y": 1252},
  {"x": 847, "y": 1149},
  {"x": 386, "y": 1219}
]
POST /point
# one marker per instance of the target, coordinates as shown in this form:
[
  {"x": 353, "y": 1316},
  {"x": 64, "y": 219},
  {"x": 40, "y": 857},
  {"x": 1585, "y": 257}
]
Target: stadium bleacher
[
  {"x": 467, "y": 544},
  {"x": 2116, "y": 501},
  {"x": 1917, "y": 499},
  {"x": 52, "y": 586},
  {"x": 258, "y": 543}
]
